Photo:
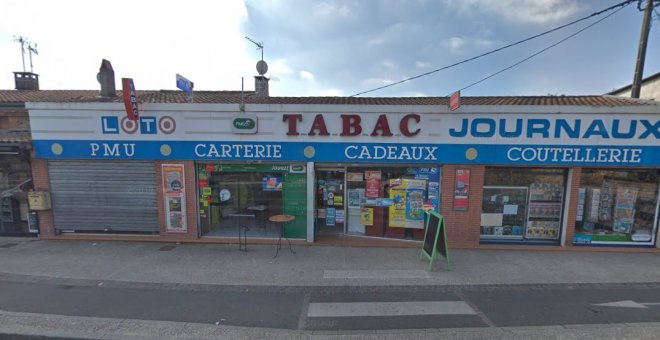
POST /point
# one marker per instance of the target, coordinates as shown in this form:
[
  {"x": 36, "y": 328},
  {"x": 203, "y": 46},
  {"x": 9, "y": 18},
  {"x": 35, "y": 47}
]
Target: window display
[
  {"x": 233, "y": 195},
  {"x": 544, "y": 217},
  {"x": 617, "y": 206},
  {"x": 503, "y": 214},
  {"x": 383, "y": 201},
  {"x": 522, "y": 204}
]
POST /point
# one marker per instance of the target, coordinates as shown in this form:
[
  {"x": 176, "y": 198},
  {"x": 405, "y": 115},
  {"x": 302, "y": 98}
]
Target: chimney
[
  {"x": 106, "y": 77},
  {"x": 260, "y": 86},
  {"x": 26, "y": 81}
]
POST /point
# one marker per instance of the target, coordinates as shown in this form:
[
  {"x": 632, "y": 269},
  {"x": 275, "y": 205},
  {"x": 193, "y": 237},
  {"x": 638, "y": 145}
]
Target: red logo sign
[
  {"x": 455, "y": 100},
  {"x": 130, "y": 98}
]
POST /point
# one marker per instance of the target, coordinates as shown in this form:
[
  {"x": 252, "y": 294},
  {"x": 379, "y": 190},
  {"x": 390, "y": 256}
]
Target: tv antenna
[
  {"x": 262, "y": 67},
  {"x": 31, "y": 49}
]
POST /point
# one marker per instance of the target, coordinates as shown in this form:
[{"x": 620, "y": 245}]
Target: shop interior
[
  {"x": 617, "y": 206},
  {"x": 375, "y": 201},
  {"x": 523, "y": 205},
  {"x": 230, "y": 200}
]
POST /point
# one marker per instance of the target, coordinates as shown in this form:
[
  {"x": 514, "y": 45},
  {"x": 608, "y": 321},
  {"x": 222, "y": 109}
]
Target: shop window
[
  {"x": 232, "y": 196},
  {"x": 380, "y": 201},
  {"x": 522, "y": 205},
  {"x": 617, "y": 206}
]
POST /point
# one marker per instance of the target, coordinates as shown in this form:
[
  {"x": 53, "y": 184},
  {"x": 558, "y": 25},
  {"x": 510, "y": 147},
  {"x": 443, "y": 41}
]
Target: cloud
[
  {"x": 388, "y": 65},
  {"x": 394, "y": 33},
  {"x": 375, "y": 82},
  {"x": 454, "y": 44},
  {"x": 305, "y": 75},
  {"x": 150, "y": 43},
  {"x": 333, "y": 9},
  {"x": 422, "y": 65},
  {"x": 520, "y": 11},
  {"x": 280, "y": 68},
  {"x": 460, "y": 45}
]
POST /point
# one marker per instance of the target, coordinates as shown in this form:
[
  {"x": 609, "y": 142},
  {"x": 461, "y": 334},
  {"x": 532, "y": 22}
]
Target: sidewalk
[
  {"x": 221, "y": 264},
  {"x": 175, "y": 265}
]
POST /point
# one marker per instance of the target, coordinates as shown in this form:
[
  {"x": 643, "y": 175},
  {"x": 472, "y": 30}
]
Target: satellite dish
[{"x": 262, "y": 67}]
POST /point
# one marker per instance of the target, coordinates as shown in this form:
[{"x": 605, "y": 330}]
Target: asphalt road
[{"x": 341, "y": 308}]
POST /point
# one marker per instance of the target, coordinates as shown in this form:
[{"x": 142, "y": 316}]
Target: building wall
[
  {"x": 650, "y": 90},
  {"x": 14, "y": 119},
  {"x": 572, "y": 196},
  {"x": 463, "y": 227},
  {"x": 191, "y": 202},
  {"x": 42, "y": 183}
]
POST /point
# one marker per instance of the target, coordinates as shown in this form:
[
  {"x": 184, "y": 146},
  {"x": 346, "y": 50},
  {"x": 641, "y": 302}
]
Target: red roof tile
[{"x": 229, "y": 97}]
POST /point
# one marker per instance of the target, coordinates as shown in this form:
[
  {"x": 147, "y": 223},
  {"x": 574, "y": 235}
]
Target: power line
[
  {"x": 541, "y": 51},
  {"x": 622, "y": 4}
]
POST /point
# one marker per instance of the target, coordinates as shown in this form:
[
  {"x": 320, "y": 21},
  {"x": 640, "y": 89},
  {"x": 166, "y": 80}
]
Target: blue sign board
[
  {"x": 581, "y": 155},
  {"x": 184, "y": 84}
]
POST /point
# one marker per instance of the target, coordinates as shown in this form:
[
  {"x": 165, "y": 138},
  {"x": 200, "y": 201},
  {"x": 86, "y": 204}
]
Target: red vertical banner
[
  {"x": 174, "y": 196},
  {"x": 130, "y": 98},
  {"x": 462, "y": 189},
  {"x": 455, "y": 101}
]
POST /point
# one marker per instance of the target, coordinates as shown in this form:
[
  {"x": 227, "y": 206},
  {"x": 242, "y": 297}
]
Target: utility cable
[
  {"x": 622, "y": 4},
  {"x": 541, "y": 51}
]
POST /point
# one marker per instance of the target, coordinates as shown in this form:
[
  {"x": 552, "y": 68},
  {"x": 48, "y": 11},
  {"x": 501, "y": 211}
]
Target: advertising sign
[
  {"x": 174, "y": 196},
  {"x": 372, "y": 175},
  {"x": 367, "y": 216},
  {"x": 130, "y": 98},
  {"x": 184, "y": 84},
  {"x": 407, "y": 209},
  {"x": 330, "y": 217},
  {"x": 244, "y": 124},
  {"x": 355, "y": 177},
  {"x": 455, "y": 100},
  {"x": 372, "y": 187},
  {"x": 626, "y": 136},
  {"x": 435, "y": 239},
  {"x": 462, "y": 189},
  {"x": 354, "y": 196}
]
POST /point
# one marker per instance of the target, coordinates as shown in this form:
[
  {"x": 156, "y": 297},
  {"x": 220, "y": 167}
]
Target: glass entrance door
[{"x": 330, "y": 201}]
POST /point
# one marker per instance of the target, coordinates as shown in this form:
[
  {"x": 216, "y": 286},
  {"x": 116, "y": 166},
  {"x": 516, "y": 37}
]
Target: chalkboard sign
[
  {"x": 435, "y": 239},
  {"x": 432, "y": 227}
]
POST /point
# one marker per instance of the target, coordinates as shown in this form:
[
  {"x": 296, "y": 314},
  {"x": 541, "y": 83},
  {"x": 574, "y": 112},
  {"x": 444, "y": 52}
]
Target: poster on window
[
  {"x": 271, "y": 183},
  {"x": 355, "y": 177},
  {"x": 462, "y": 189},
  {"x": 372, "y": 187},
  {"x": 407, "y": 208},
  {"x": 624, "y": 209},
  {"x": 372, "y": 175},
  {"x": 330, "y": 217},
  {"x": 174, "y": 198},
  {"x": 367, "y": 216}
]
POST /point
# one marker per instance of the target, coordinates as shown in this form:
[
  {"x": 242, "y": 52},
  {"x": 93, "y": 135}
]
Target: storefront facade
[
  {"x": 500, "y": 174},
  {"x": 16, "y": 219}
]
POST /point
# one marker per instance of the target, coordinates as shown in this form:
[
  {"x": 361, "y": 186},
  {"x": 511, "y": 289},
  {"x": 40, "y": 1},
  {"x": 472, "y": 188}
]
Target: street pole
[{"x": 641, "y": 51}]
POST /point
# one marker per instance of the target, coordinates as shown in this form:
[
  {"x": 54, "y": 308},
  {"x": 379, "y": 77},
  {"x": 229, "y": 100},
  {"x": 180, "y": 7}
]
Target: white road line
[
  {"x": 375, "y": 274},
  {"x": 339, "y": 309}
]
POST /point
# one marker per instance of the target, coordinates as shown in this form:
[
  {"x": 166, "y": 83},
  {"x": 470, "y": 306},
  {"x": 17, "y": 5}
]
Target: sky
[{"x": 328, "y": 48}]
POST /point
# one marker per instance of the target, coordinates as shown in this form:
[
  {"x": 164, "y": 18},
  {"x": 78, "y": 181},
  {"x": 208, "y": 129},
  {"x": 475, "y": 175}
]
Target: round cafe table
[{"x": 282, "y": 219}]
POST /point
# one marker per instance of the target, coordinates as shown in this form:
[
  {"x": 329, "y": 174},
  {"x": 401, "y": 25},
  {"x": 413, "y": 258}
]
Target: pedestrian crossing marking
[
  {"x": 343, "y": 309},
  {"x": 375, "y": 274}
]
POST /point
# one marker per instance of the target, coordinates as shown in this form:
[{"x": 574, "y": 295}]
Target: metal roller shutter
[{"x": 113, "y": 196}]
